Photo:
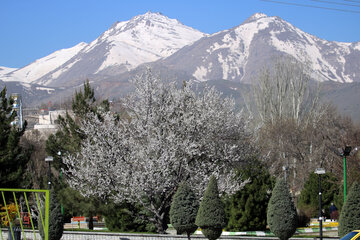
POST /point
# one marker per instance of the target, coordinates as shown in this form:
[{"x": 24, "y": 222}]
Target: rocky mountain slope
[{"x": 237, "y": 54}]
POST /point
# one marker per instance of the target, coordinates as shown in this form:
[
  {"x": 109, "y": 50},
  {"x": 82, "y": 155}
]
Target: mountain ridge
[{"x": 180, "y": 52}]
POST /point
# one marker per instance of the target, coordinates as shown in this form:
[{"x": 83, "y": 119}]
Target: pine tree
[
  {"x": 247, "y": 207},
  {"x": 281, "y": 214},
  {"x": 350, "y": 212},
  {"x": 309, "y": 197},
  {"x": 13, "y": 158},
  {"x": 184, "y": 208},
  {"x": 68, "y": 140},
  {"x": 211, "y": 214},
  {"x": 56, "y": 220}
]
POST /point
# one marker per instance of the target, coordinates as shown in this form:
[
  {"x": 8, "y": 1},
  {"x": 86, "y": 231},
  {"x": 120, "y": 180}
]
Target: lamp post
[
  {"x": 49, "y": 159},
  {"x": 320, "y": 171},
  {"x": 62, "y": 208},
  {"x": 347, "y": 151}
]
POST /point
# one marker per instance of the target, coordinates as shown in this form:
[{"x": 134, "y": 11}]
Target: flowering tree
[{"x": 171, "y": 135}]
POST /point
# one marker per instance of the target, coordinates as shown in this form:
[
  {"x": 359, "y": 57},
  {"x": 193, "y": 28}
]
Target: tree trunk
[{"x": 91, "y": 222}]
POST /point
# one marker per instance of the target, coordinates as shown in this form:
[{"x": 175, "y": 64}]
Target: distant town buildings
[{"x": 47, "y": 119}]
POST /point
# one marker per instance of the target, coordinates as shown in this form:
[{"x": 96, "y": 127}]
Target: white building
[{"x": 47, "y": 121}]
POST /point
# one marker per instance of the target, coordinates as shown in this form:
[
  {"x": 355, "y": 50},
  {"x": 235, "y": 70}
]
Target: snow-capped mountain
[
  {"x": 124, "y": 46},
  {"x": 180, "y": 52},
  {"x": 239, "y": 53},
  {"x": 6, "y": 70},
  {"x": 42, "y": 66}
]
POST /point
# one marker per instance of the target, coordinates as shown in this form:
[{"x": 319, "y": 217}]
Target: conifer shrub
[
  {"x": 56, "y": 220},
  {"x": 350, "y": 212},
  {"x": 247, "y": 207},
  {"x": 211, "y": 214},
  {"x": 125, "y": 217},
  {"x": 281, "y": 214},
  {"x": 183, "y": 211}
]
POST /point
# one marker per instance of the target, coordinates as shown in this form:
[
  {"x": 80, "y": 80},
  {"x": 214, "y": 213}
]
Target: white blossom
[{"x": 172, "y": 135}]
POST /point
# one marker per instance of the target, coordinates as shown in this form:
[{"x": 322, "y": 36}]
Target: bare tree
[
  {"x": 296, "y": 132},
  {"x": 284, "y": 92}
]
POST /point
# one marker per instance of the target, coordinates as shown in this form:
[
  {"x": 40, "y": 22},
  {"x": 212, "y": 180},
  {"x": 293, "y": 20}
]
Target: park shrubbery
[
  {"x": 281, "y": 214},
  {"x": 211, "y": 214},
  {"x": 349, "y": 217},
  {"x": 183, "y": 210}
]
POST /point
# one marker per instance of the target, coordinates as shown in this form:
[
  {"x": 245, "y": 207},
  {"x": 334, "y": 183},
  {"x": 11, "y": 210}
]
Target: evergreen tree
[
  {"x": 211, "y": 215},
  {"x": 184, "y": 208},
  {"x": 56, "y": 220},
  {"x": 13, "y": 158},
  {"x": 126, "y": 217},
  {"x": 309, "y": 197},
  {"x": 67, "y": 140},
  {"x": 350, "y": 212},
  {"x": 281, "y": 214},
  {"x": 247, "y": 207}
]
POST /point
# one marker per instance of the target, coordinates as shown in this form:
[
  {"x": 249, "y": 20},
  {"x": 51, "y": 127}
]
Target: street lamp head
[
  {"x": 49, "y": 159},
  {"x": 347, "y": 150},
  {"x": 320, "y": 171}
]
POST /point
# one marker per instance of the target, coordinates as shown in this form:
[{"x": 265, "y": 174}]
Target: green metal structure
[{"x": 27, "y": 193}]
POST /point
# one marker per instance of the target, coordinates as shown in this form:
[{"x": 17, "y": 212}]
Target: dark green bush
[
  {"x": 247, "y": 207},
  {"x": 281, "y": 214},
  {"x": 184, "y": 208},
  {"x": 124, "y": 217},
  {"x": 350, "y": 212}
]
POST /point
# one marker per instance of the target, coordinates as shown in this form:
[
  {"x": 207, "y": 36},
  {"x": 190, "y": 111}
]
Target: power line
[
  {"x": 311, "y": 6},
  {"x": 352, "y": 1},
  {"x": 337, "y": 3}
]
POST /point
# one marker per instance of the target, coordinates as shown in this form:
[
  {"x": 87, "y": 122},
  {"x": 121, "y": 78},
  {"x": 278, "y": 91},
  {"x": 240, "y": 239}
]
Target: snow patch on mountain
[
  {"x": 124, "y": 46},
  {"x": 357, "y": 46},
  {"x": 43, "y": 65},
  {"x": 6, "y": 70},
  {"x": 309, "y": 49},
  {"x": 145, "y": 38}
]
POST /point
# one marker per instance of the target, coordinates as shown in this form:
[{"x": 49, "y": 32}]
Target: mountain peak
[
  {"x": 148, "y": 16},
  {"x": 257, "y": 16}
]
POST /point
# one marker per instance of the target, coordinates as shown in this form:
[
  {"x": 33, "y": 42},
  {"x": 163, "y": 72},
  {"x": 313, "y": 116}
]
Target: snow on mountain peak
[
  {"x": 256, "y": 16},
  {"x": 42, "y": 66},
  {"x": 144, "y": 38}
]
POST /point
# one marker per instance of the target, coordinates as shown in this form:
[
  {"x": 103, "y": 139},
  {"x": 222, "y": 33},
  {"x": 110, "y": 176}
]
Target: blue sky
[{"x": 31, "y": 29}]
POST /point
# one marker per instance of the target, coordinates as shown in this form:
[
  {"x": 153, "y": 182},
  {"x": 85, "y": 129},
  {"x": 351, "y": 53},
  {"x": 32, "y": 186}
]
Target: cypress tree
[
  {"x": 183, "y": 210},
  {"x": 13, "y": 158},
  {"x": 350, "y": 212},
  {"x": 281, "y": 214},
  {"x": 211, "y": 214},
  {"x": 56, "y": 220}
]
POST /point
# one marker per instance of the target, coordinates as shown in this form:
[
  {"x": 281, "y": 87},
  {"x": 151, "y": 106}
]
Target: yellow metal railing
[{"x": 9, "y": 215}]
